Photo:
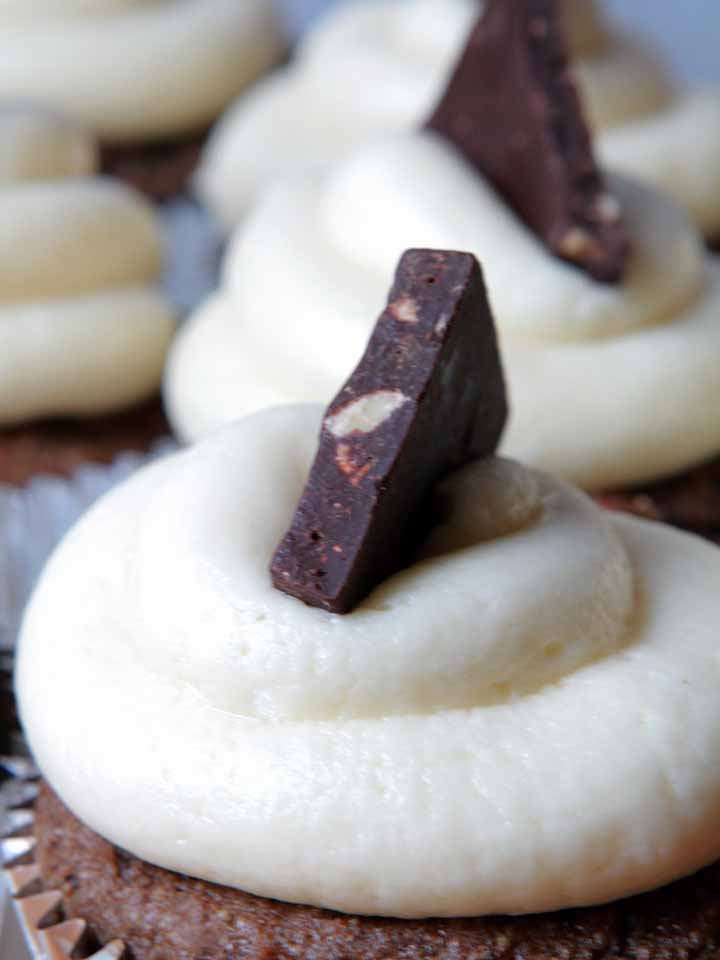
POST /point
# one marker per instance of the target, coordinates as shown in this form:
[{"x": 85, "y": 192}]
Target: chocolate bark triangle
[
  {"x": 427, "y": 397},
  {"x": 513, "y": 109}
]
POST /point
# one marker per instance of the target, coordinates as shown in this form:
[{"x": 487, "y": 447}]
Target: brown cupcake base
[
  {"x": 690, "y": 501},
  {"x": 165, "y": 916},
  {"x": 159, "y": 170},
  {"x": 60, "y": 446}
]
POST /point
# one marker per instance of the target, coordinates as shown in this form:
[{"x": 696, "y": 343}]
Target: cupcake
[
  {"x": 509, "y": 726},
  {"x": 326, "y": 103},
  {"x": 138, "y": 72},
  {"x": 84, "y": 324},
  {"x": 613, "y": 379}
]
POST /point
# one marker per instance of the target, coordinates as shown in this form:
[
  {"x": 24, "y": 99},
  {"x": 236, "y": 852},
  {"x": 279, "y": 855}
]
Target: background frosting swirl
[
  {"x": 136, "y": 69},
  {"x": 318, "y": 109}
]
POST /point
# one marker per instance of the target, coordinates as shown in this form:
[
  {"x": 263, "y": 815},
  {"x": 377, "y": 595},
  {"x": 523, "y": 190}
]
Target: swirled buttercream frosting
[
  {"x": 135, "y": 69},
  {"x": 610, "y": 385},
  {"x": 84, "y": 327},
  {"x": 375, "y": 67},
  {"x": 526, "y": 718}
]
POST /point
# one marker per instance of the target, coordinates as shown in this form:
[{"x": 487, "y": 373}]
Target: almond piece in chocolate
[
  {"x": 513, "y": 109},
  {"x": 427, "y": 397}
]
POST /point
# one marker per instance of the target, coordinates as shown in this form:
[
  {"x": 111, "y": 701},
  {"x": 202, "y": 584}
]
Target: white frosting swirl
[
  {"x": 136, "y": 69},
  {"x": 460, "y": 744},
  {"x": 610, "y": 385},
  {"x": 83, "y": 326},
  {"x": 374, "y": 67}
]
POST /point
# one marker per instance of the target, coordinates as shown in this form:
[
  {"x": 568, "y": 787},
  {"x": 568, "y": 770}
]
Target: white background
[{"x": 688, "y": 30}]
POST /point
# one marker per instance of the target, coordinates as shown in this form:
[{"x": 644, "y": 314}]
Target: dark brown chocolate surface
[
  {"x": 60, "y": 446},
  {"x": 365, "y": 508},
  {"x": 513, "y": 109},
  {"x": 159, "y": 170},
  {"x": 690, "y": 501},
  {"x": 165, "y": 916}
]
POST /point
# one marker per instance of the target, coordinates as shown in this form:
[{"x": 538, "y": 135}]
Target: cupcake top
[
  {"x": 460, "y": 743},
  {"x": 405, "y": 48},
  {"x": 135, "y": 69},
  {"x": 84, "y": 326}
]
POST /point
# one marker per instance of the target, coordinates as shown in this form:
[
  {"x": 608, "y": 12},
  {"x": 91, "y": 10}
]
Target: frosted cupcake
[
  {"x": 84, "y": 324},
  {"x": 373, "y": 67},
  {"x": 137, "y": 71},
  {"x": 284, "y": 781},
  {"x": 613, "y": 384}
]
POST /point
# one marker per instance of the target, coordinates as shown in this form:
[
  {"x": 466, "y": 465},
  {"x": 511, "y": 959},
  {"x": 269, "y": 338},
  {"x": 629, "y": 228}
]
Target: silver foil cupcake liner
[
  {"x": 34, "y": 924},
  {"x": 34, "y": 519}
]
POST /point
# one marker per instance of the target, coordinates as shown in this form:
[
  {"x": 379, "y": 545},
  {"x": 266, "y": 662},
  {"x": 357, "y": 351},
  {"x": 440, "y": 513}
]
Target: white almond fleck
[
  {"x": 366, "y": 413},
  {"x": 608, "y": 208},
  {"x": 405, "y": 310},
  {"x": 442, "y": 324}
]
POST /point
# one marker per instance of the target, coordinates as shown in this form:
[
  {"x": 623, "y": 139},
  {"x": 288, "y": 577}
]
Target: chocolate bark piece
[
  {"x": 427, "y": 397},
  {"x": 513, "y": 109}
]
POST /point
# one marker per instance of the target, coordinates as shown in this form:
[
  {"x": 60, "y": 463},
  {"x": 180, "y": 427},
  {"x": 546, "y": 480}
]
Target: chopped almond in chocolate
[
  {"x": 513, "y": 109},
  {"x": 427, "y": 397}
]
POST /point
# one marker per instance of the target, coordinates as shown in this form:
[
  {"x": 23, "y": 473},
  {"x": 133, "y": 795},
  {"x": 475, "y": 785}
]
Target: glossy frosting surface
[{"x": 461, "y": 744}]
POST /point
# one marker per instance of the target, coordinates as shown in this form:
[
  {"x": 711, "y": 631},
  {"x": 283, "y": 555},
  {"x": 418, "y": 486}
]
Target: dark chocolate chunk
[
  {"x": 513, "y": 109},
  {"x": 427, "y": 397}
]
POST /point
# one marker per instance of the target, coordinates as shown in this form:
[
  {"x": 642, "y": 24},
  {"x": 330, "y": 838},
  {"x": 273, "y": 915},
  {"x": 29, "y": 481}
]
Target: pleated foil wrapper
[
  {"x": 33, "y": 922},
  {"x": 33, "y": 520}
]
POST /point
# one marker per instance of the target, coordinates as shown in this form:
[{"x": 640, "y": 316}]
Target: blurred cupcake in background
[
  {"x": 372, "y": 67},
  {"x": 614, "y": 385},
  {"x": 147, "y": 77},
  {"x": 84, "y": 325}
]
